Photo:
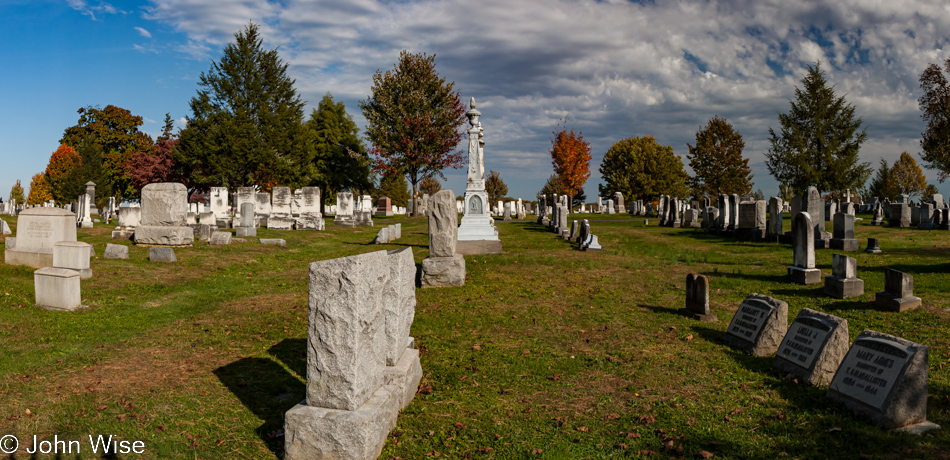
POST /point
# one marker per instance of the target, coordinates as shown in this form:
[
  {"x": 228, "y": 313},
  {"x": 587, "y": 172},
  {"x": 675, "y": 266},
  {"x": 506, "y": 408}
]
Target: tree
[
  {"x": 340, "y": 160},
  {"x": 554, "y": 186},
  {"x": 430, "y": 185},
  {"x": 640, "y": 168},
  {"x": 758, "y": 194},
  {"x": 413, "y": 119},
  {"x": 246, "y": 126},
  {"x": 907, "y": 176},
  {"x": 39, "y": 190},
  {"x": 935, "y": 105},
  {"x": 106, "y": 139},
  {"x": 882, "y": 185},
  {"x": 16, "y": 193},
  {"x": 496, "y": 188},
  {"x": 717, "y": 162},
  {"x": 570, "y": 155},
  {"x": 931, "y": 190},
  {"x": 63, "y": 174},
  {"x": 395, "y": 187},
  {"x": 819, "y": 140},
  {"x": 155, "y": 164},
  {"x": 785, "y": 192}
]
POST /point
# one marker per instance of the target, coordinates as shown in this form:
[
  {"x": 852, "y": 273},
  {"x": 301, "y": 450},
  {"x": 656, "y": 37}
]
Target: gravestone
[
  {"x": 164, "y": 210},
  {"x": 884, "y": 378},
  {"x": 262, "y": 207},
  {"x": 803, "y": 269},
  {"x": 873, "y": 246},
  {"x": 219, "y": 206},
  {"x": 506, "y": 216},
  {"x": 273, "y": 242},
  {"x": 843, "y": 236},
  {"x": 592, "y": 243},
  {"x": 116, "y": 251},
  {"x": 774, "y": 228},
  {"x": 72, "y": 255},
  {"x": 384, "y": 207},
  {"x": 900, "y": 215},
  {"x": 691, "y": 218},
  {"x": 383, "y": 236},
  {"x": 57, "y": 288},
  {"x": 618, "y": 202},
  {"x": 898, "y": 294},
  {"x": 162, "y": 255},
  {"x": 878, "y": 218},
  {"x": 37, "y": 230},
  {"x": 246, "y": 225},
  {"x": 751, "y": 225},
  {"x": 443, "y": 267},
  {"x": 575, "y": 231},
  {"x": 542, "y": 214},
  {"x": 344, "y": 210},
  {"x": 220, "y": 238},
  {"x": 733, "y": 212},
  {"x": 244, "y": 195},
  {"x": 759, "y": 325},
  {"x": 307, "y": 205},
  {"x": 843, "y": 282},
  {"x": 814, "y": 347},
  {"x": 831, "y": 209},
  {"x": 697, "y": 298},
  {"x": 280, "y": 216},
  {"x": 926, "y": 219}
]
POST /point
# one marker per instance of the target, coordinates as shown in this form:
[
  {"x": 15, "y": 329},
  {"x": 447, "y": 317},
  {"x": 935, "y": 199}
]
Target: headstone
[
  {"x": 542, "y": 206},
  {"x": 611, "y": 207},
  {"x": 164, "y": 210},
  {"x": 162, "y": 255},
  {"x": 843, "y": 239},
  {"x": 244, "y": 195},
  {"x": 814, "y": 347},
  {"x": 57, "y": 288},
  {"x": 575, "y": 230},
  {"x": 878, "y": 218},
  {"x": 507, "y": 212},
  {"x": 733, "y": 211},
  {"x": 383, "y": 236},
  {"x": 220, "y": 238},
  {"x": 443, "y": 267},
  {"x": 697, "y": 298},
  {"x": 72, "y": 255},
  {"x": 898, "y": 294},
  {"x": 759, "y": 325},
  {"x": 926, "y": 218},
  {"x": 831, "y": 209},
  {"x": 884, "y": 378},
  {"x": 873, "y": 246},
  {"x": 751, "y": 223},
  {"x": 37, "y": 230},
  {"x": 803, "y": 269},
  {"x": 307, "y": 205},
  {"x": 691, "y": 218},
  {"x": 384, "y": 207},
  {"x": 477, "y": 233},
  {"x": 774, "y": 228},
  {"x": 843, "y": 282},
  {"x": 344, "y": 210},
  {"x": 900, "y": 215},
  {"x": 116, "y": 251},
  {"x": 281, "y": 216},
  {"x": 262, "y": 207},
  {"x": 219, "y": 204},
  {"x": 246, "y": 225},
  {"x": 274, "y": 242},
  {"x": 5, "y": 228},
  {"x": 592, "y": 243}
]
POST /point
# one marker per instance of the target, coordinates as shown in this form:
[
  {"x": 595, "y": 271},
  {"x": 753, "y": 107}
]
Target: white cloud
[
  {"x": 143, "y": 32},
  {"x": 618, "y": 68},
  {"x": 88, "y": 10}
]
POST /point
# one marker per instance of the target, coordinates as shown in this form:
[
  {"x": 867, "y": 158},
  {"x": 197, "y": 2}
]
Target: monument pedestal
[
  {"x": 804, "y": 275},
  {"x": 443, "y": 271},
  {"x": 890, "y": 302},
  {"x": 164, "y": 236},
  {"x": 844, "y": 244},
  {"x": 843, "y": 288}
]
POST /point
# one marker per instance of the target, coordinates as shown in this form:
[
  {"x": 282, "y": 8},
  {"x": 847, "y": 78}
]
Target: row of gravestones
[
  {"x": 880, "y": 376},
  {"x": 577, "y": 233}
]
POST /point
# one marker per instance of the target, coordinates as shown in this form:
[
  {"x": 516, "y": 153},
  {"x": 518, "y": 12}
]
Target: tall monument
[{"x": 477, "y": 233}]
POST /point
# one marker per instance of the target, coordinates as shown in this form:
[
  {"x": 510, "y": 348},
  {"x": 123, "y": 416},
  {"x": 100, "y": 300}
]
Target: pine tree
[
  {"x": 819, "y": 140},
  {"x": 340, "y": 159},
  {"x": 641, "y": 168},
  {"x": 246, "y": 126},
  {"x": 717, "y": 162},
  {"x": 882, "y": 185},
  {"x": 907, "y": 176},
  {"x": 495, "y": 187},
  {"x": 395, "y": 187},
  {"x": 935, "y": 105}
]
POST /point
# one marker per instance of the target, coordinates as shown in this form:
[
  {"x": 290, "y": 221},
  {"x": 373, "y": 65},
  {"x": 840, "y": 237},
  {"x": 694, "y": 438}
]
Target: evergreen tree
[
  {"x": 930, "y": 191},
  {"x": 16, "y": 193},
  {"x": 640, "y": 168},
  {"x": 552, "y": 187},
  {"x": 882, "y": 185},
  {"x": 395, "y": 187},
  {"x": 908, "y": 177},
  {"x": 246, "y": 126},
  {"x": 819, "y": 140},
  {"x": 340, "y": 160},
  {"x": 717, "y": 162},
  {"x": 935, "y": 105},
  {"x": 495, "y": 187}
]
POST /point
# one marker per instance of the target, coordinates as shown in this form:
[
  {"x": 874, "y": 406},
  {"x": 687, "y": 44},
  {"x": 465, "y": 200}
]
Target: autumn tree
[
  {"x": 819, "y": 140},
  {"x": 430, "y": 186},
  {"x": 641, "y": 168},
  {"x": 39, "y": 190},
  {"x": 930, "y": 191},
  {"x": 155, "y": 164},
  {"x": 935, "y": 105},
  {"x": 106, "y": 139},
  {"x": 63, "y": 174},
  {"x": 570, "y": 155},
  {"x": 717, "y": 162},
  {"x": 395, "y": 187},
  {"x": 495, "y": 187},
  {"x": 907, "y": 176},
  {"x": 246, "y": 126},
  {"x": 414, "y": 119},
  {"x": 553, "y": 186},
  {"x": 16, "y": 193},
  {"x": 340, "y": 159}
]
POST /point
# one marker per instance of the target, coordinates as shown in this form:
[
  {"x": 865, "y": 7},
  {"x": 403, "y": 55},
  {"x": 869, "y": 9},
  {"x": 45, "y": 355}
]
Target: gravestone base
[
  {"x": 873, "y": 250},
  {"x": 845, "y": 244},
  {"x": 280, "y": 223},
  {"x": 404, "y": 376},
  {"x": 443, "y": 271},
  {"x": 900, "y": 223},
  {"x": 545, "y": 221},
  {"x": 477, "y": 247},
  {"x": 164, "y": 236},
  {"x": 245, "y": 231},
  {"x": 743, "y": 234},
  {"x": 222, "y": 222},
  {"x": 345, "y": 221},
  {"x": 822, "y": 243},
  {"x": 918, "y": 428},
  {"x": 710, "y": 318},
  {"x": 877, "y": 222},
  {"x": 772, "y": 238},
  {"x": 123, "y": 234},
  {"x": 316, "y": 432},
  {"x": 305, "y": 222},
  {"x": 804, "y": 275},
  {"x": 35, "y": 258},
  {"x": 897, "y": 304},
  {"x": 57, "y": 288},
  {"x": 843, "y": 288},
  {"x": 676, "y": 225}
]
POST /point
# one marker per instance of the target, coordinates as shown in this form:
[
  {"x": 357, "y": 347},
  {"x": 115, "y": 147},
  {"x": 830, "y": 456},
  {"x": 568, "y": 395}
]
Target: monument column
[{"x": 477, "y": 233}]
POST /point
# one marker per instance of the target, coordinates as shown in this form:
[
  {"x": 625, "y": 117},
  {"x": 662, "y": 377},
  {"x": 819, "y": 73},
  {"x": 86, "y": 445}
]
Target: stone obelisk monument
[{"x": 477, "y": 233}]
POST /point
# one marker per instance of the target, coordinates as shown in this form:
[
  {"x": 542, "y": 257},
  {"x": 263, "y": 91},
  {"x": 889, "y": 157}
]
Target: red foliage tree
[
  {"x": 570, "y": 154},
  {"x": 62, "y": 174},
  {"x": 153, "y": 166}
]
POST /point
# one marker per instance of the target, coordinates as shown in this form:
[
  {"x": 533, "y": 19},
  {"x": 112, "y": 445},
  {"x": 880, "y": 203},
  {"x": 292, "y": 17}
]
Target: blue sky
[{"x": 617, "y": 68}]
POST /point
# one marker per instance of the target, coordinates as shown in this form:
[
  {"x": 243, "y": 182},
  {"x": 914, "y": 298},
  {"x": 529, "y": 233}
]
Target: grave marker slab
[
  {"x": 57, "y": 288},
  {"x": 843, "y": 233},
  {"x": 697, "y": 298},
  {"x": 843, "y": 282},
  {"x": 803, "y": 269},
  {"x": 116, "y": 251},
  {"x": 759, "y": 325},
  {"x": 898, "y": 294},
  {"x": 162, "y": 255},
  {"x": 814, "y": 347}
]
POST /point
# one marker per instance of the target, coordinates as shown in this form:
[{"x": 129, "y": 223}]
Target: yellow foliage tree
[{"x": 39, "y": 190}]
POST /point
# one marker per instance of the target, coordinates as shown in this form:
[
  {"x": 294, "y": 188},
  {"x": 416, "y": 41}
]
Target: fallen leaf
[
  {"x": 689, "y": 337},
  {"x": 583, "y": 429},
  {"x": 536, "y": 452},
  {"x": 705, "y": 454}
]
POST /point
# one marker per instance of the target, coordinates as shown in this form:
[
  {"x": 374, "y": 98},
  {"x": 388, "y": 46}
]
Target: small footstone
[
  {"x": 116, "y": 251},
  {"x": 873, "y": 246},
  {"x": 220, "y": 238},
  {"x": 274, "y": 242},
  {"x": 161, "y": 255}
]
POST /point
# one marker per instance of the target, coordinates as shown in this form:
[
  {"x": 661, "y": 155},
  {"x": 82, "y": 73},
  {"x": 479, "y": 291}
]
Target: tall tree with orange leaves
[
  {"x": 63, "y": 174},
  {"x": 570, "y": 154},
  {"x": 39, "y": 190}
]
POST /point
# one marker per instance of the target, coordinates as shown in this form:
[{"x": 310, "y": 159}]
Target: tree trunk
[{"x": 415, "y": 202}]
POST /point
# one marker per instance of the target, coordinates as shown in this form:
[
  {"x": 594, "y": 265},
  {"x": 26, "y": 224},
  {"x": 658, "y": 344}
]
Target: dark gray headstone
[
  {"x": 898, "y": 294},
  {"x": 843, "y": 282},
  {"x": 697, "y": 298}
]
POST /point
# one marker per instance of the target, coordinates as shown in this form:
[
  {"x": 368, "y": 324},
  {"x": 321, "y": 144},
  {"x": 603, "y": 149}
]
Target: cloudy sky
[{"x": 617, "y": 68}]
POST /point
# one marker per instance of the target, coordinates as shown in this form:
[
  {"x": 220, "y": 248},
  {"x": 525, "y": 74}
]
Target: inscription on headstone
[
  {"x": 813, "y": 347},
  {"x": 759, "y": 325}
]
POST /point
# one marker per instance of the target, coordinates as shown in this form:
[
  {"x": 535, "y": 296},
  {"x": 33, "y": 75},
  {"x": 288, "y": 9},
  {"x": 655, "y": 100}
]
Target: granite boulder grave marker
[
  {"x": 759, "y": 325},
  {"x": 813, "y": 347}
]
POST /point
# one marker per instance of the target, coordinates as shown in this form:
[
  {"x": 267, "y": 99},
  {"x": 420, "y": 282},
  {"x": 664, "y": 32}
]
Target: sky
[{"x": 616, "y": 68}]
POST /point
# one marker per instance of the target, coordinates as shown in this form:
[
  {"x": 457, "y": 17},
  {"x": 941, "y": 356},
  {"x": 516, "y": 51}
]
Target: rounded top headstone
[
  {"x": 47, "y": 212},
  {"x": 165, "y": 187}
]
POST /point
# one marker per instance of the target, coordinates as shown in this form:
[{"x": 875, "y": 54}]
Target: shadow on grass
[
  {"x": 293, "y": 353},
  {"x": 665, "y": 310},
  {"x": 749, "y": 276},
  {"x": 267, "y": 390}
]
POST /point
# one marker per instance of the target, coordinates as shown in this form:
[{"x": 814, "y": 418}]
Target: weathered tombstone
[
  {"x": 443, "y": 267},
  {"x": 57, "y": 288},
  {"x": 262, "y": 207},
  {"x": 831, "y": 208},
  {"x": 220, "y": 238},
  {"x": 274, "y": 242},
  {"x": 383, "y": 236},
  {"x": 884, "y": 378},
  {"x": 542, "y": 214},
  {"x": 582, "y": 232},
  {"x": 733, "y": 212},
  {"x": 5, "y": 227},
  {"x": 751, "y": 225},
  {"x": 219, "y": 206},
  {"x": 345, "y": 210},
  {"x": 813, "y": 347},
  {"x": 873, "y": 246},
  {"x": 691, "y": 218},
  {"x": 843, "y": 282},
  {"x": 843, "y": 236},
  {"x": 575, "y": 231},
  {"x": 774, "y": 227},
  {"x": 72, "y": 255},
  {"x": 926, "y": 218},
  {"x": 403, "y": 369},
  {"x": 878, "y": 215},
  {"x": 308, "y": 214},
  {"x": 37, "y": 230},
  {"x": 697, "y": 298},
  {"x": 280, "y": 216},
  {"x": 759, "y": 325},
  {"x": 162, "y": 255},
  {"x": 674, "y": 219},
  {"x": 384, "y": 207},
  {"x": 246, "y": 225},
  {"x": 803, "y": 269},
  {"x": 244, "y": 195},
  {"x": 506, "y": 216},
  {"x": 164, "y": 210},
  {"x": 116, "y": 251},
  {"x": 900, "y": 215},
  {"x": 618, "y": 201},
  {"x": 898, "y": 294}
]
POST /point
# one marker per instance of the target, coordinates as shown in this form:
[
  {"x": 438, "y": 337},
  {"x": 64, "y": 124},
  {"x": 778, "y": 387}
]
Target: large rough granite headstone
[
  {"x": 164, "y": 213},
  {"x": 443, "y": 224},
  {"x": 36, "y": 231},
  {"x": 843, "y": 282},
  {"x": 898, "y": 294},
  {"x": 884, "y": 378},
  {"x": 900, "y": 215},
  {"x": 697, "y": 298},
  {"x": 813, "y": 347},
  {"x": 803, "y": 269},
  {"x": 759, "y": 325}
]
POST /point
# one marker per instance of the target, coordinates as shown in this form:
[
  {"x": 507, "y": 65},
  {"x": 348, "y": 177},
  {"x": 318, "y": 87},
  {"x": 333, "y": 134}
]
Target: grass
[{"x": 546, "y": 352}]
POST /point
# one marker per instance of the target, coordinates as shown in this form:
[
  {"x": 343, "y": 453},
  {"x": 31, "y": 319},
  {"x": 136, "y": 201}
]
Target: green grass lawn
[{"x": 546, "y": 352}]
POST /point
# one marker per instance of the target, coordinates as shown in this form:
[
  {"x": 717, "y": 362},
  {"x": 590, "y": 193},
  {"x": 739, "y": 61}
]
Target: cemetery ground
[{"x": 546, "y": 352}]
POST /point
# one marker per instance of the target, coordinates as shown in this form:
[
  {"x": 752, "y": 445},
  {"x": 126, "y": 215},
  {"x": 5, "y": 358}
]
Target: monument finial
[{"x": 472, "y": 114}]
